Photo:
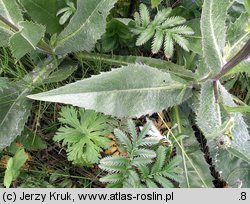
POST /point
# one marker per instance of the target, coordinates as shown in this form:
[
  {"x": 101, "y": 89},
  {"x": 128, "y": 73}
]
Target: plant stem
[
  {"x": 45, "y": 47},
  {"x": 243, "y": 54},
  {"x": 5, "y": 21},
  {"x": 216, "y": 92}
]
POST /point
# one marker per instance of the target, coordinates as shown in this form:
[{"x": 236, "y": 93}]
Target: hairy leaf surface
[
  {"x": 208, "y": 117},
  {"x": 15, "y": 109},
  {"x": 232, "y": 162},
  {"x": 86, "y": 26},
  {"x": 213, "y": 31},
  {"x": 241, "y": 137},
  {"x": 130, "y": 91}
]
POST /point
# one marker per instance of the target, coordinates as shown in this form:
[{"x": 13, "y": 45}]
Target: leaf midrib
[
  {"x": 213, "y": 32},
  {"x": 80, "y": 28},
  {"x": 181, "y": 86}
]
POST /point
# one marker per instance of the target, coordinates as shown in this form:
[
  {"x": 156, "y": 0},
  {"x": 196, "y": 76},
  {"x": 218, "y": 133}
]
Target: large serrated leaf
[
  {"x": 213, "y": 31},
  {"x": 130, "y": 91},
  {"x": 15, "y": 109},
  {"x": 26, "y": 39},
  {"x": 232, "y": 163},
  {"x": 241, "y": 137},
  {"x": 86, "y": 26},
  {"x": 196, "y": 170},
  {"x": 208, "y": 116},
  {"x": 15, "y": 106},
  {"x": 43, "y": 12},
  {"x": 9, "y": 10}
]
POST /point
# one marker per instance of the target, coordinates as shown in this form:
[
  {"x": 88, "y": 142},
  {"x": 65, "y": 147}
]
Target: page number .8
[{"x": 243, "y": 196}]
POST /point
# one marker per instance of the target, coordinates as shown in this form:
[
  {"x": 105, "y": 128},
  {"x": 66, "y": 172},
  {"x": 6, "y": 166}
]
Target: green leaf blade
[
  {"x": 208, "y": 116},
  {"x": 86, "y": 26},
  {"x": 241, "y": 136},
  {"x": 168, "y": 46},
  {"x": 26, "y": 39},
  {"x": 157, "y": 42},
  {"x": 130, "y": 91},
  {"x": 145, "y": 36},
  {"x": 213, "y": 31},
  {"x": 43, "y": 12},
  {"x": 14, "y": 166},
  {"x": 15, "y": 109}
]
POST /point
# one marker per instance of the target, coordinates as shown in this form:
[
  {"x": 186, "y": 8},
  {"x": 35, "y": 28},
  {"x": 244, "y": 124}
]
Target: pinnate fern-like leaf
[
  {"x": 151, "y": 184},
  {"x": 160, "y": 160},
  {"x": 165, "y": 183},
  {"x": 162, "y": 27},
  {"x": 157, "y": 42},
  {"x": 144, "y": 14},
  {"x": 123, "y": 139},
  {"x": 181, "y": 41},
  {"x": 139, "y": 168},
  {"x": 145, "y": 36},
  {"x": 132, "y": 130},
  {"x": 115, "y": 160},
  {"x": 184, "y": 30},
  {"x": 173, "y": 21},
  {"x": 168, "y": 45},
  {"x": 141, "y": 161},
  {"x": 128, "y": 165},
  {"x": 112, "y": 178},
  {"x": 143, "y": 133},
  {"x": 145, "y": 153},
  {"x": 161, "y": 16},
  {"x": 148, "y": 142}
]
